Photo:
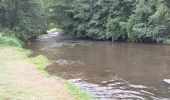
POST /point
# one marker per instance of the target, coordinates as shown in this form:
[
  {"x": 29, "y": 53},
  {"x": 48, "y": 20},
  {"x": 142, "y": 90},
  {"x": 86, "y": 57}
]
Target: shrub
[{"x": 9, "y": 41}]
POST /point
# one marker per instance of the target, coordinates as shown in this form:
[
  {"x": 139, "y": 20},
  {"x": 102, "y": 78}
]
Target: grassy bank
[
  {"x": 81, "y": 95},
  {"x": 12, "y": 57}
]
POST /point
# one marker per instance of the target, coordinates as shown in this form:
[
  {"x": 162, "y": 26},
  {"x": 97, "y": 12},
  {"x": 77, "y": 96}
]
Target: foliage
[
  {"x": 25, "y": 17},
  {"x": 149, "y": 21},
  {"x": 57, "y": 15},
  {"x": 9, "y": 41},
  {"x": 133, "y": 20}
]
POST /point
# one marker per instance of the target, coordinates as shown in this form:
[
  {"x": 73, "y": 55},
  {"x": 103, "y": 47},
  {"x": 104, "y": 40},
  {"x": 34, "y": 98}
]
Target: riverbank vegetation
[
  {"x": 119, "y": 20},
  {"x": 20, "y": 22},
  {"x": 81, "y": 95},
  {"x": 14, "y": 44},
  {"x": 20, "y": 72},
  {"x": 23, "y": 18},
  {"x": 40, "y": 61},
  {"x": 116, "y": 20}
]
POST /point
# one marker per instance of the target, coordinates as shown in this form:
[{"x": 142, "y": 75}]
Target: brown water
[{"x": 109, "y": 70}]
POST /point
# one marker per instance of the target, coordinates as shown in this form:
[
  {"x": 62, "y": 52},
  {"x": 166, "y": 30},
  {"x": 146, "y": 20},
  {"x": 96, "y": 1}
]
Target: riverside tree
[
  {"x": 116, "y": 20},
  {"x": 133, "y": 20},
  {"x": 25, "y": 17}
]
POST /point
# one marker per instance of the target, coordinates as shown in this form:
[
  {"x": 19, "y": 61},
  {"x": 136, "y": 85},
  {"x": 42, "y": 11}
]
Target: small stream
[{"x": 109, "y": 71}]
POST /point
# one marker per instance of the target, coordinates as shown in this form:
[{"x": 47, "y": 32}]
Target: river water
[{"x": 109, "y": 71}]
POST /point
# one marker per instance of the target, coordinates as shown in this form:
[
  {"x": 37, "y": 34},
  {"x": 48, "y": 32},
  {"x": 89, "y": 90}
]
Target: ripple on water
[
  {"x": 67, "y": 62},
  {"x": 117, "y": 88}
]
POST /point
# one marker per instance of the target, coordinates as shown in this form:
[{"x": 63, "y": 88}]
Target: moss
[{"x": 78, "y": 93}]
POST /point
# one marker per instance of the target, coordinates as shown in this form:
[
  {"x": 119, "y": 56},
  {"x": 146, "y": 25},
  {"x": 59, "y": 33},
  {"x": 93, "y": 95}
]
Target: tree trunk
[{"x": 10, "y": 13}]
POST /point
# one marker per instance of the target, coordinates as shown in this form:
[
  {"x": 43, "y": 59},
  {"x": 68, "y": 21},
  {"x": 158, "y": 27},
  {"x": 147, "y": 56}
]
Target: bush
[
  {"x": 9, "y": 41},
  {"x": 119, "y": 20}
]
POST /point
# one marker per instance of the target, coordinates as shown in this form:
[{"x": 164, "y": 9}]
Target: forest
[
  {"x": 25, "y": 19},
  {"x": 116, "y": 20}
]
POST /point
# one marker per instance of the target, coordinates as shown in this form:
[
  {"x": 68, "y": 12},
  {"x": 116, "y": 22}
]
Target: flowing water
[{"x": 108, "y": 70}]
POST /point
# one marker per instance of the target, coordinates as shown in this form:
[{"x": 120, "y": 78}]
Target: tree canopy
[
  {"x": 26, "y": 17},
  {"x": 133, "y": 20},
  {"x": 117, "y": 20}
]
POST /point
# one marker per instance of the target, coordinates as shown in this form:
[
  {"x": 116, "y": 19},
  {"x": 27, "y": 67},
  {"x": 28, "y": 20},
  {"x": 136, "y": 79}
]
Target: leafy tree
[
  {"x": 149, "y": 21},
  {"x": 133, "y": 20},
  {"x": 116, "y": 20},
  {"x": 26, "y": 17}
]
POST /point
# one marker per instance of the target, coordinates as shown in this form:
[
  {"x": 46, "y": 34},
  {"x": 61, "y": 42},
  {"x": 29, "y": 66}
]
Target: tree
[
  {"x": 149, "y": 21},
  {"x": 26, "y": 17},
  {"x": 135, "y": 20},
  {"x": 116, "y": 20}
]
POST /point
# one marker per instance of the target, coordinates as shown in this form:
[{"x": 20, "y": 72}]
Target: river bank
[
  {"x": 108, "y": 70},
  {"x": 23, "y": 78}
]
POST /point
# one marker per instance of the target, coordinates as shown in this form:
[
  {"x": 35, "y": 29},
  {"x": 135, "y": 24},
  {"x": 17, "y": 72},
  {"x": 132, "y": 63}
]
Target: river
[{"x": 108, "y": 70}]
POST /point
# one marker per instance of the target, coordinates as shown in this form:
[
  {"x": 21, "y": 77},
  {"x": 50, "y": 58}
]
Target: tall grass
[
  {"x": 80, "y": 95},
  {"x": 41, "y": 63},
  {"x": 9, "y": 40},
  {"x": 10, "y": 43}
]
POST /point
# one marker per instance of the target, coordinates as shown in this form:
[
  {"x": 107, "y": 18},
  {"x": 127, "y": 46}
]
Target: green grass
[
  {"x": 18, "y": 53},
  {"x": 11, "y": 49},
  {"x": 9, "y": 41},
  {"x": 78, "y": 93},
  {"x": 41, "y": 63}
]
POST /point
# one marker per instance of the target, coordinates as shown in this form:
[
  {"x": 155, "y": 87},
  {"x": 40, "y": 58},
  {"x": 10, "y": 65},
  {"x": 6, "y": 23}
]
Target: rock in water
[{"x": 167, "y": 81}]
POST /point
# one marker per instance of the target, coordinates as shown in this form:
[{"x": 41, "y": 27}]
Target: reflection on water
[{"x": 109, "y": 70}]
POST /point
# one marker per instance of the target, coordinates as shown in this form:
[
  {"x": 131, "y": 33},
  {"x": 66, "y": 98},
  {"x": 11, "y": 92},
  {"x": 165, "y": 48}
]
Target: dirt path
[{"x": 20, "y": 81}]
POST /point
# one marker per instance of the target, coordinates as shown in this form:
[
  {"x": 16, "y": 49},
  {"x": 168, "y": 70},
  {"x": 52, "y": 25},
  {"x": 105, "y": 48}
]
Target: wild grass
[
  {"x": 41, "y": 63},
  {"x": 9, "y": 41},
  {"x": 81, "y": 95},
  {"x": 11, "y": 49},
  {"x": 17, "y": 53},
  {"x": 8, "y": 44}
]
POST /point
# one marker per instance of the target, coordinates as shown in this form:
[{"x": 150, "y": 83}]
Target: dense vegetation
[
  {"x": 117, "y": 20},
  {"x": 133, "y": 20},
  {"x": 24, "y": 18}
]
